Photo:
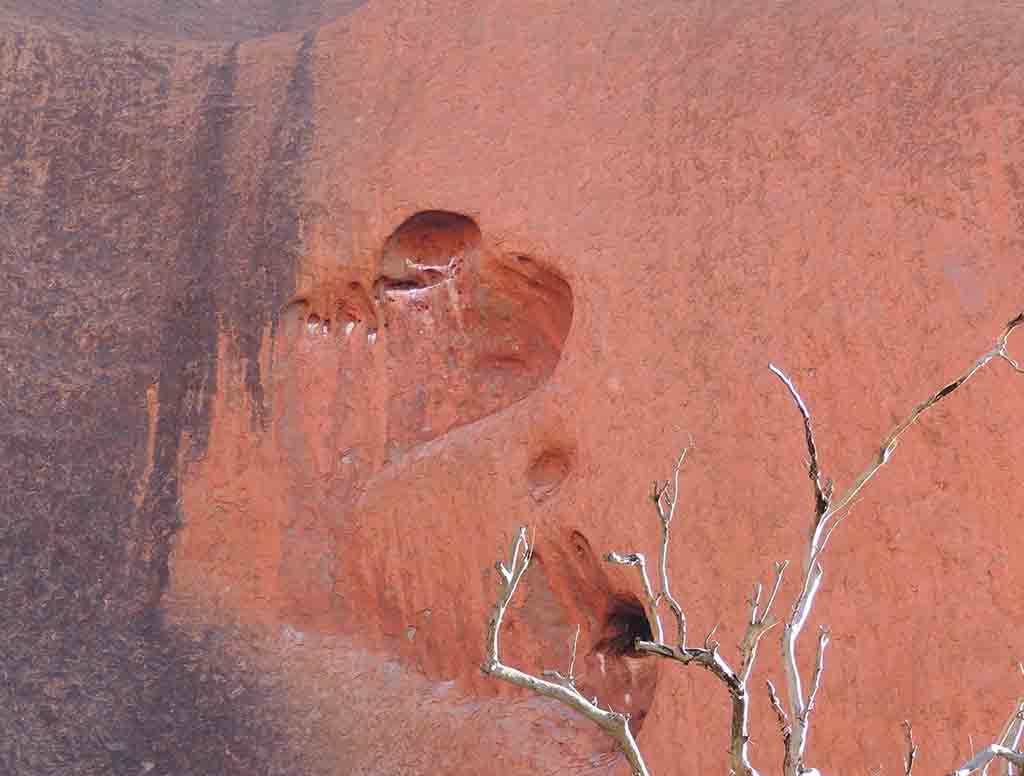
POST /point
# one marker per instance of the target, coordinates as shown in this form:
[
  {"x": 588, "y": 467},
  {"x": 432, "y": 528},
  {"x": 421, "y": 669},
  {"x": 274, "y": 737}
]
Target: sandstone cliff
[{"x": 306, "y": 309}]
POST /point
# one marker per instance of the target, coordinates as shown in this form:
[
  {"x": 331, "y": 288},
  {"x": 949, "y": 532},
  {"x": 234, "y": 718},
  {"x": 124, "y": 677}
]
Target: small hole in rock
[
  {"x": 626, "y": 622},
  {"x": 547, "y": 472},
  {"x": 391, "y": 285},
  {"x": 579, "y": 543},
  {"x": 313, "y": 324},
  {"x": 431, "y": 237}
]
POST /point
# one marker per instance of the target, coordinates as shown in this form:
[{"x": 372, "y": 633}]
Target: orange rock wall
[
  {"x": 718, "y": 187},
  {"x": 479, "y": 266}
]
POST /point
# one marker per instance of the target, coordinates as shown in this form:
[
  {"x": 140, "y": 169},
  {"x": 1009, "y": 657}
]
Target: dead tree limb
[
  {"x": 666, "y": 498},
  {"x": 981, "y": 760},
  {"x": 829, "y": 513},
  {"x": 616, "y": 725},
  {"x": 908, "y": 763},
  {"x": 794, "y": 724},
  {"x": 1006, "y": 748}
]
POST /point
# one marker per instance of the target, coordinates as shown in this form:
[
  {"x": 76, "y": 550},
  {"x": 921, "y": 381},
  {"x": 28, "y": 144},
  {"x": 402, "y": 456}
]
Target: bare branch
[
  {"x": 519, "y": 561},
  {"x": 616, "y": 725},
  {"x": 829, "y": 513},
  {"x": 569, "y": 679},
  {"x": 784, "y": 727},
  {"x": 709, "y": 641},
  {"x": 712, "y": 661},
  {"x": 827, "y": 516},
  {"x": 1013, "y": 735},
  {"x": 819, "y": 667},
  {"x": 780, "y": 569},
  {"x": 908, "y": 765},
  {"x": 650, "y": 600},
  {"x": 821, "y": 498},
  {"x": 759, "y": 624},
  {"x": 666, "y": 521},
  {"x": 790, "y": 635},
  {"x": 665, "y": 498},
  {"x": 888, "y": 445},
  {"x": 1010, "y": 735},
  {"x": 572, "y": 657},
  {"x": 799, "y": 706},
  {"x": 666, "y": 593},
  {"x": 985, "y": 756}
]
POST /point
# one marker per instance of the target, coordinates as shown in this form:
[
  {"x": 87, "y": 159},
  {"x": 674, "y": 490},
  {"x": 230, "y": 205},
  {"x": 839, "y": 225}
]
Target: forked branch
[
  {"x": 616, "y": 725},
  {"x": 665, "y": 497},
  {"x": 981, "y": 760},
  {"x": 794, "y": 717},
  {"x": 1007, "y": 747},
  {"x": 828, "y": 514}
]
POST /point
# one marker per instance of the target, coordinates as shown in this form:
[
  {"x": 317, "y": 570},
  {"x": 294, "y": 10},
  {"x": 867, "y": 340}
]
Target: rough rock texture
[{"x": 296, "y": 329}]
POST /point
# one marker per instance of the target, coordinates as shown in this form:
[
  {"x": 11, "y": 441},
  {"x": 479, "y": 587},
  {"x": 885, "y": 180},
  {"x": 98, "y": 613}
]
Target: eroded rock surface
[{"x": 298, "y": 328}]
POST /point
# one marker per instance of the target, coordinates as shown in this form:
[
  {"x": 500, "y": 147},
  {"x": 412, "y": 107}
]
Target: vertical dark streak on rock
[
  {"x": 195, "y": 709},
  {"x": 271, "y": 263},
  {"x": 101, "y": 299},
  {"x": 188, "y": 369}
]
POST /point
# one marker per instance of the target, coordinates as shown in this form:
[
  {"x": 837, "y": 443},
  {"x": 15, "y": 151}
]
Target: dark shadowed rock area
[
  {"x": 306, "y": 306},
  {"x": 124, "y": 246},
  {"x": 211, "y": 20}
]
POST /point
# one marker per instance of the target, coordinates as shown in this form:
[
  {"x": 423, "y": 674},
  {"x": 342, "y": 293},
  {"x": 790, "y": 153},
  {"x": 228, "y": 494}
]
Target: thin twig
[
  {"x": 569, "y": 679},
  {"x": 819, "y": 667},
  {"x": 908, "y": 764},
  {"x": 784, "y": 727},
  {"x": 821, "y": 496},
  {"x": 759, "y": 624},
  {"x": 572, "y": 657}
]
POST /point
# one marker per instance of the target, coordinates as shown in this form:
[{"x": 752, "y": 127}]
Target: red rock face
[{"x": 337, "y": 312}]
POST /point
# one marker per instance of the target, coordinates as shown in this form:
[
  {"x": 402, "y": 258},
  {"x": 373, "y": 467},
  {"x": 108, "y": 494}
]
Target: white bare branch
[
  {"x": 986, "y": 755},
  {"x": 828, "y": 514},
  {"x": 794, "y": 717},
  {"x": 888, "y": 446},
  {"x": 759, "y": 623},
  {"x": 572, "y": 657},
  {"x": 785, "y": 728},
  {"x": 908, "y": 764},
  {"x": 569, "y": 679},
  {"x": 665, "y": 497},
  {"x": 1010, "y": 735},
  {"x": 650, "y": 599},
  {"x": 665, "y": 517},
  {"x": 616, "y": 725},
  {"x": 819, "y": 667}
]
